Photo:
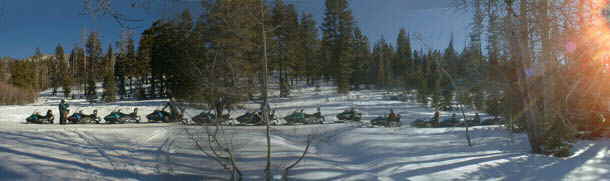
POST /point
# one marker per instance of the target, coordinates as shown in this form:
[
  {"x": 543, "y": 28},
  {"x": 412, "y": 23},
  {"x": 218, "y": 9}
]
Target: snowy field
[{"x": 339, "y": 151}]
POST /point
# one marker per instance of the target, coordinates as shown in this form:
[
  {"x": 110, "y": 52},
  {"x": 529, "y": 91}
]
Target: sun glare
[{"x": 597, "y": 29}]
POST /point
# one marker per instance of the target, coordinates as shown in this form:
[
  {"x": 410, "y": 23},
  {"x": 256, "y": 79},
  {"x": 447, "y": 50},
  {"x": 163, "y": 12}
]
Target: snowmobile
[
  {"x": 424, "y": 123},
  {"x": 255, "y": 118},
  {"x": 447, "y": 107},
  {"x": 210, "y": 118},
  {"x": 472, "y": 121},
  {"x": 387, "y": 121},
  {"x": 158, "y": 116},
  {"x": 122, "y": 118},
  {"x": 81, "y": 118},
  {"x": 251, "y": 118},
  {"x": 36, "y": 118},
  {"x": 493, "y": 121},
  {"x": 452, "y": 121},
  {"x": 300, "y": 117},
  {"x": 162, "y": 116},
  {"x": 349, "y": 115}
]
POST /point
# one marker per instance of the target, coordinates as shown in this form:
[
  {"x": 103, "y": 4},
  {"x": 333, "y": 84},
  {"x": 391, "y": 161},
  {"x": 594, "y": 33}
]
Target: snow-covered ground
[{"x": 339, "y": 152}]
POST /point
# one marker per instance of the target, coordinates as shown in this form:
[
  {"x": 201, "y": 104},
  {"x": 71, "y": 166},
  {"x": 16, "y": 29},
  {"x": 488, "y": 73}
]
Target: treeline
[
  {"x": 219, "y": 54},
  {"x": 12, "y": 94},
  {"x": 223, "y": 49}
]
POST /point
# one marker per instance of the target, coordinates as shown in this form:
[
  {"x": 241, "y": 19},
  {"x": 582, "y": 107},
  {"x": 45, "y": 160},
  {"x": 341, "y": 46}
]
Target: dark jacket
[{"x": 63, "y": 107}]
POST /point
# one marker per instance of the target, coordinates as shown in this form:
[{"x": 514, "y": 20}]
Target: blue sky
[{"x": 28, "y": 24}]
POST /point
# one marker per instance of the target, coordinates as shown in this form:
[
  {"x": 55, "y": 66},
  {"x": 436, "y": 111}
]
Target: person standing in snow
[
  {"x": 63, "y": 111},
  {"x": 392, "y": 115},
  {"x": 173, "y": 111},
  {"x": 436, "y": 118}
]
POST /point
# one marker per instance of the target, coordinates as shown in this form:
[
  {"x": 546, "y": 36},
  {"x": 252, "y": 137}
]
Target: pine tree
[
  {"x": 362, "y": 56},
  {"x": 3, "y": 71},
  {"x": 120, "y": 72},
  {"x": 145, "y": 53},
  {"x": 91, "y": 93},
  {"x": 120, "y": 65},
  {"x": 161, "y": 52},
  {"x": 56, "y": 68},
  {"x": 93, "y": 63},
  {"x": 110, "y": 89},
  {"x": 380, "y": 66},
  {"x": 172, "y": 57},
  {"x": 38, "y": 72},
  {"x": 67, "y": 79},
  {"x": 184, "y": 82},
  {"x": 129, "y": 66},
  {"x": 337, "y": 42},
  {"x": 424, "y": 89},
  {"x": 408, "y": 69},
  {"x": 235, "y": 52},
  {"x": 310, "y": 46},
  {"x": 81, "y": 71},
  {"x": 296, "y": 66},
  {"x": 284, "y": 17}
]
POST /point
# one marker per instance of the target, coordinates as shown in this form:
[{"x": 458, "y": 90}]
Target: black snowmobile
[
  {"x": 251, "y": 118},
  {"x": 158, "y": 116},
  {"x": 349, "y": 115},
  {"x": 452, "y": 121},
  {"x": 81, "y": 118},
  {"x": 424, "y": 123},
  {"x": 255, "y": 118},
  {"x": 210, "y": 118},
  {"x": 389, "y": 121},
  {"x": 36, "y": 118},
  {"x": 117, "y": 117}
]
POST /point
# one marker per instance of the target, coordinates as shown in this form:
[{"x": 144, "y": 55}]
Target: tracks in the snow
[
  {"x": 113, "y": 154},
  {"x": 72, "y": 127}
]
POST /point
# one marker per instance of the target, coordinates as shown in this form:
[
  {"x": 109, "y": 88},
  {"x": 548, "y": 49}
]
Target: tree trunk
[
  {"x": 549, "y": 93},
  {"x": 529, "y": 100}
]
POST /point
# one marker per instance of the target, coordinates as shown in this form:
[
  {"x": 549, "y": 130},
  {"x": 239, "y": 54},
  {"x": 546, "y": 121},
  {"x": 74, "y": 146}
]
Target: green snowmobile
[
  {"x": 117, "y": 117},
  {"x": 299, "y": 117},
  {"x": 36, "y": 118}
]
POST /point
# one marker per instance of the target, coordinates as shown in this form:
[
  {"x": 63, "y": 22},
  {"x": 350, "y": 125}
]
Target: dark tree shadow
[
  {"x": 6, "y": 174},
  {"x": 540, "y": 167}
]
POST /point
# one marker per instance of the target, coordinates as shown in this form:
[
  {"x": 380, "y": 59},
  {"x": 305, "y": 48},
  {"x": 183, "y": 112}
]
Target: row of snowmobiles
[
  {"x": 115, "y": 117},
  {"x": 209, "y": 118},
  {"x": 391, "y": 120},
  {"x": 296, "y": 117},
  {"x": 256, "y": 119},
  {"x": 455, "y": 121}
]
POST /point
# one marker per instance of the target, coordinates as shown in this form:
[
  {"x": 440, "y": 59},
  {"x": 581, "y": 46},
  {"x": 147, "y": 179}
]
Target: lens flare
[{"x": 596, "y": 29}]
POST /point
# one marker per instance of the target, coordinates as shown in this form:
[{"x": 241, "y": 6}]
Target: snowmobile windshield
[
  {"x": 300, "y": 115},
  {"x": 33, "y": 117},
  {"x": 116, "y": 115}
]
